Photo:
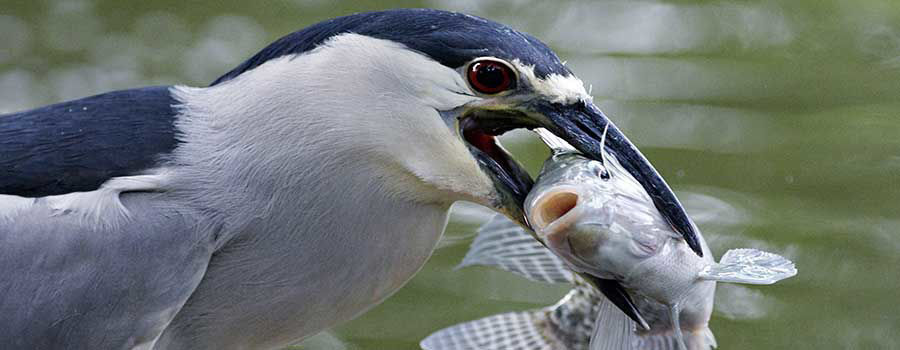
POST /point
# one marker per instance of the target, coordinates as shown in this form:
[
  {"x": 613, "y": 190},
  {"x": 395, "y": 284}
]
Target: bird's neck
[{"x": 246, "y": 157}]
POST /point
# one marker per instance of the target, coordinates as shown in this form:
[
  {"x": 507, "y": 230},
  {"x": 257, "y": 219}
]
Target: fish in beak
[
  {"x": 582, "y": 125},
  {"x": 559, "y": 104},
  {"x": 514, "y": 96}
]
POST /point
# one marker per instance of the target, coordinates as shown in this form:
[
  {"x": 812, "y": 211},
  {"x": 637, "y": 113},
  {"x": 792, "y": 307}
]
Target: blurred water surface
[{"x": 775, "y": 121}]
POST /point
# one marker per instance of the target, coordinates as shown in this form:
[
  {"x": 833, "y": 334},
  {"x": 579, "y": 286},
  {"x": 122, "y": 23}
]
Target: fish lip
[
  {"x": 553, "y": 229},
  {"x": 583, "y": 125}
]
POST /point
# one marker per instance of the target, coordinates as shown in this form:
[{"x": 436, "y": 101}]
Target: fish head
[{"x": 595, "y": 216}]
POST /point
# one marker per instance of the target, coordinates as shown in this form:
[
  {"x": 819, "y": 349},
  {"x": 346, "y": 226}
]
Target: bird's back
[{"x": 77, "y": 145}]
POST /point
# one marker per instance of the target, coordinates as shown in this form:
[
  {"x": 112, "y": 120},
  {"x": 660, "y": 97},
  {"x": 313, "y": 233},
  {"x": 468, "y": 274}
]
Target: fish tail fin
[
  {"x": 508, "y": 331},
  {"x": 750, "y": 266}
]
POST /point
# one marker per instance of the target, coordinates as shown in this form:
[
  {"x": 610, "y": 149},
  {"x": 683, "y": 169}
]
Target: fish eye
[
  {"x": 490, "y": 76},
  {"x": 603, "y": 173}
]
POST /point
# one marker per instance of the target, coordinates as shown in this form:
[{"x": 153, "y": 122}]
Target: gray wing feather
[
  {"x": 504, "y": 244},
  {"x": 70, "y": 284}
]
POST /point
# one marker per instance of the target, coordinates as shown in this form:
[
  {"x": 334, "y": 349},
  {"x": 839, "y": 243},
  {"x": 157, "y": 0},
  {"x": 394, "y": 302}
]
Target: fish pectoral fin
[
  {"x": 618, "y": 296},
  {"x": 667, "y": 340},
  {"x": 613, "y": 330},
  {"x": 674, "y": 312},
  {"x": 508, "y": 331},
  {"x": 750, "y": 266},
  {"x": 504, "y": 244}
]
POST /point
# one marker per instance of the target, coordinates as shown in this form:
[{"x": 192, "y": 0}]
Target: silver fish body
[{"x": 598, "y": 219}]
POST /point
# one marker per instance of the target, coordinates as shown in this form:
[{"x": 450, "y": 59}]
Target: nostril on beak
[{"x": 554, "y": 206}]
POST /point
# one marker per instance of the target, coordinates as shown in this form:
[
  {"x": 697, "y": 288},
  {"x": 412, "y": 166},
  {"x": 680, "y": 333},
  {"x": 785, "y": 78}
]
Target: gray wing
[{"x": 70, "y": 282}]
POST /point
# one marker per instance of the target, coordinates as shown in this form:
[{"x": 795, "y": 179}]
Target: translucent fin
[
  {"x": 749, "y": 266},
  {"x": 618, "y": 296},
  {"x": 674, "y": 312},
  {"x": 613, "y": 330},
  {"x": 709, "y": 338},
  {"x": 504, "y": 244},
  {"x": 465, "y": 213},
  {"x": 450, "y": 241},
  {"x": 555, "y": 143},
  {"x": 509, "y": 331},
  {"x": 697, "y": 340},
  {"x": 470, "y": 213}
]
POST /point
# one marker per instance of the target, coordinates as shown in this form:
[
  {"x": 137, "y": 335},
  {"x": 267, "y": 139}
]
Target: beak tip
[{"x": 694, "y": 243}]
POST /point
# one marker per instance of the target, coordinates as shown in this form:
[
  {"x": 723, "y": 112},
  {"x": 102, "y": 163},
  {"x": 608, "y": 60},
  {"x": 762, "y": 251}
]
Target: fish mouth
[{"x": 552, "y": 213}]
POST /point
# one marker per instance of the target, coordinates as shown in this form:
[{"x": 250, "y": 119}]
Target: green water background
[{"x": 776, "y": 122}]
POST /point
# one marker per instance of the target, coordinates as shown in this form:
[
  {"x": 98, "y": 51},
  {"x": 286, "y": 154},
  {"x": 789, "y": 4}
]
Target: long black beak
[{"x": 582, "y": 124}]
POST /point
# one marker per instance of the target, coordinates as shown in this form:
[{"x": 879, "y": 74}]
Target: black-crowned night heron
[{"x": 297, "y": 191}]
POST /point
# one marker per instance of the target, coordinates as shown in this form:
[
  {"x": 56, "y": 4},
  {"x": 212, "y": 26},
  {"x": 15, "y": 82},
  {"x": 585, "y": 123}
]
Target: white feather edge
[
  {"x": 565, "y": 89},
  {"x": 101, "y": 207}
]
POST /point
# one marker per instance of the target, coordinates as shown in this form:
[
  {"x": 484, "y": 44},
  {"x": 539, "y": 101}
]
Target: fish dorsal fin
[
  {"x": 613, "y": 330},
  {"x": 749, "y": 266},
  {"x": 503, "y": 243},
  {"x": 509, "y": 331},
  {"x": 556, "y": 144}
]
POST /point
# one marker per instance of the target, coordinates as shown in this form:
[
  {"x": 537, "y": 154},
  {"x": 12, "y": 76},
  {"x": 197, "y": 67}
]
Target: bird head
[
  {"x": 439, "y": 87},
  {"x": 425, "y": 93},
  {"x": 429, "y": 91}
]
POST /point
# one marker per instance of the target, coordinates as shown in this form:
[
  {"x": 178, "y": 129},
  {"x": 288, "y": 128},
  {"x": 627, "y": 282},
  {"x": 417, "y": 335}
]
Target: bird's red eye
[{"x": 490, "y": 77}]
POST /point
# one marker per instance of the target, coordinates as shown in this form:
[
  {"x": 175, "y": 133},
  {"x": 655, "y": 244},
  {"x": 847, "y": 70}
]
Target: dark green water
[{"x": 777, "y": 122}]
